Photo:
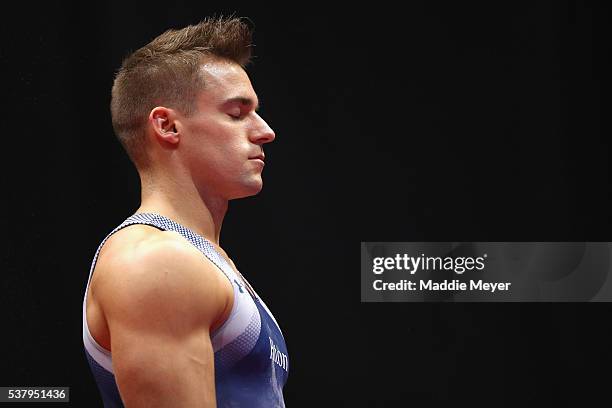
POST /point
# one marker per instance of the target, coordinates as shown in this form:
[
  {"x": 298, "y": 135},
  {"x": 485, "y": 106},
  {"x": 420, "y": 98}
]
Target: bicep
[{"x": 159, "y": 370}]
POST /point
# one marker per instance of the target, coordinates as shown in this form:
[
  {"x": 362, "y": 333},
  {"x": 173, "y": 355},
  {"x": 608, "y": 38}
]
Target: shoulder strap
[{"x": 201, "y": 243}]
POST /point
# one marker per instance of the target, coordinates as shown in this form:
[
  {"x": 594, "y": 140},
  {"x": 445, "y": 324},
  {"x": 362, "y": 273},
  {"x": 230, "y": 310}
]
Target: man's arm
[{"x": 160, "y": 301}]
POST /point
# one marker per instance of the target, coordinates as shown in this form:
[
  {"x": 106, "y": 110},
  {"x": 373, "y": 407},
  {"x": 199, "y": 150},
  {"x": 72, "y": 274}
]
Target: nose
[{"x": 262, "y": 133}]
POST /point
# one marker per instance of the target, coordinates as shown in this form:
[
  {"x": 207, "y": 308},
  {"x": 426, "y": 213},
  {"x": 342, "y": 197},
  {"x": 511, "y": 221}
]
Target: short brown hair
[{"x": 166, "y": 72}]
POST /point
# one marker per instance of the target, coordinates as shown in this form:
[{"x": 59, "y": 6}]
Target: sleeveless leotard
[{"x": 251, "y": 359}]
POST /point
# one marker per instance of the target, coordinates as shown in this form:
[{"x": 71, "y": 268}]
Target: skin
[{"x": 154, "y": 299}]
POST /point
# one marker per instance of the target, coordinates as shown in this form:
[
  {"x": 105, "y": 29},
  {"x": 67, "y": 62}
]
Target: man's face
[{"x": 223, "y": 140}]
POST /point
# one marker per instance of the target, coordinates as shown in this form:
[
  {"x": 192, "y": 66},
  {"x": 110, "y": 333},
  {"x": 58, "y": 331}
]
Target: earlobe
[{"x": 170, "y": 135}]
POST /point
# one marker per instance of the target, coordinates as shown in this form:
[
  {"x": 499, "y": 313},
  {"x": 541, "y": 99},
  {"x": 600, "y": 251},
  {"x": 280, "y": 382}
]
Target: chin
[{"x": 250, "y": 189}]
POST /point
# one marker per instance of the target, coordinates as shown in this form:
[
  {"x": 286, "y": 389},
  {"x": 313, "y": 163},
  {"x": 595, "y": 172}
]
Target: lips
[{"x": 259, "y": 156}]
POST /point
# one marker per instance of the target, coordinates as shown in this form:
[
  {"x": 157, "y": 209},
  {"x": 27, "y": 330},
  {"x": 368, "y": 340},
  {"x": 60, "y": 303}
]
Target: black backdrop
[{"x": 436, "y": 122}]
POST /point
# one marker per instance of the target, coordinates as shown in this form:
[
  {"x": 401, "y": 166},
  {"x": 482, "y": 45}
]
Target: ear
[{"x": 162, "y": 121}]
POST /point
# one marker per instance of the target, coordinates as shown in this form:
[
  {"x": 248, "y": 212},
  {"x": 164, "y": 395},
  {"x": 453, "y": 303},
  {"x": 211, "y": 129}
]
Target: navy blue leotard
[{"x": 251, "y": 359}]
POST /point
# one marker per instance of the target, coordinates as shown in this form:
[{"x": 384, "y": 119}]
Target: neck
[{"x": 181, "y": 201}]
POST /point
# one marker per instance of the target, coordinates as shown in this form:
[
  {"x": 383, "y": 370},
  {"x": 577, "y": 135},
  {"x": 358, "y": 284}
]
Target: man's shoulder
[
  {"x": 143, "y": 245},
  {"x": 141, "y": 267},
  {"x": 142, "y": 240}
]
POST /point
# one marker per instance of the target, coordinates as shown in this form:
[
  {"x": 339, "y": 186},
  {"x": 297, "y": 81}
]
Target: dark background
[{"x": 438, "y": 122}]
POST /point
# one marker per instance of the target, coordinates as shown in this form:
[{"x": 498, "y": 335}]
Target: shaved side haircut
[{"x": 166, "y": 72}]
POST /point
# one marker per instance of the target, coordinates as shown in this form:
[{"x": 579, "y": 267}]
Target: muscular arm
[{"x": 160, "y": 301}]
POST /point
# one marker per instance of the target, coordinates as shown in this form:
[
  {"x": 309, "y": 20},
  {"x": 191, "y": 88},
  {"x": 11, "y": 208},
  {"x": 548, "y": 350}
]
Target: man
[{"x": 168, "y": 320}]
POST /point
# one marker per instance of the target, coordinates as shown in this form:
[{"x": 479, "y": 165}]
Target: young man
[{"x": 168, "y": 320}]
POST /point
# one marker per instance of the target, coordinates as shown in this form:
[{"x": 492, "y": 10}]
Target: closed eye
[{"x": 239, "y": 107}]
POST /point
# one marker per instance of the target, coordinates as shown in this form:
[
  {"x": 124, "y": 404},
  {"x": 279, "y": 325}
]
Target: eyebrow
[{"x": 243, "y": 101}]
